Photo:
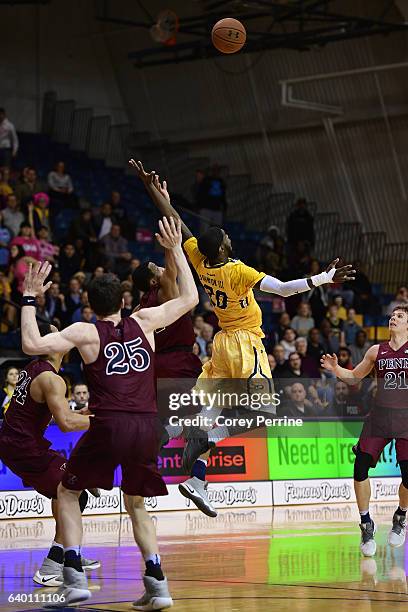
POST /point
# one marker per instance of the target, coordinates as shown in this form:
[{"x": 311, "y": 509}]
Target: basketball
[{"x": 228, "y": 35}]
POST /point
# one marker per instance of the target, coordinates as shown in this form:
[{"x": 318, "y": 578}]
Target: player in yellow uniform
[{"x": 238, "y": 351}]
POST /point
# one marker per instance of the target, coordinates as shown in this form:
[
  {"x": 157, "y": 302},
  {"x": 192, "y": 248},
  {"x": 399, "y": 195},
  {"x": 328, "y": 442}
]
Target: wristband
[
  {"x": 28, "y": 300},
  {"x": 323, "y": 278}
]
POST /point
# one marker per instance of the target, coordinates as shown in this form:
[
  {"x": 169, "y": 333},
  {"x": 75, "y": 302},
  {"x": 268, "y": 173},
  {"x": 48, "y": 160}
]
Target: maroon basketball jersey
[
  {"x": 122, "y": 377},
  {"x": 178, "y": 334},
  {"x": 392, "y": 376},
  {"x": 25, "y": 420}
]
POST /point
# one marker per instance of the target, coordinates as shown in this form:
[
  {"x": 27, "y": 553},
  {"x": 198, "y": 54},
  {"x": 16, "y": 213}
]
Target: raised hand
[
  {"x": 329, "y": 362},
  {"x": 161, "y": 187},
  {"x": 146, "y": 177},
  {"x": 35, "y": 278},
  {"x": 170, "y": 233},
  {"x": 343, "y": 274}
]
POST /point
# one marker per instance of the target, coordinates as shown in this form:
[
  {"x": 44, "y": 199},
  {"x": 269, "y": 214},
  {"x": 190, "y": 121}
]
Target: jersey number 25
[{"x": 126, "y": 356}]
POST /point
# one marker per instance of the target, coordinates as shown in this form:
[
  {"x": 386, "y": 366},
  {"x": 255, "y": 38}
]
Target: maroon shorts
[
  {"x": 375, "y": 446},
  {"x": 43, "y": 472},
  {"x": 177, "y": 364},
  {"x": 381, "y": 427},
  {"x": 115, "y": 439}
]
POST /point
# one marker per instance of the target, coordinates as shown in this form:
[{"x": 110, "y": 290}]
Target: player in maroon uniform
[
  {"x": 40, "y": 395},
  {"x": 119, "y": 364},
  {"x": 387, "y": 421}
]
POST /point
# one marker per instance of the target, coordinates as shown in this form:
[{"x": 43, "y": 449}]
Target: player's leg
[
  {"x": 156, "y": 595},
  {"x": 396, "y": 536},
  {"x": 367, "y": 452}
]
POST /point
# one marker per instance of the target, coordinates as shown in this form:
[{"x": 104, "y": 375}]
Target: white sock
[
  {"x": 363, "y": 512},
  {"x": 155, "y": 558},
  {"x": 174, "y": 431},
  {"x": 218, "y": 433},
  {"x": 57, "y": 544}
]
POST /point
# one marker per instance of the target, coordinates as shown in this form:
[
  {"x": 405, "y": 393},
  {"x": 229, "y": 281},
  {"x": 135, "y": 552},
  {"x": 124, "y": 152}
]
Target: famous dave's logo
[
  {"x": 223, "y": 460},
  {"x": 324, "y": 491},
  {"x": 384, "y": 490},
  {"x": 231, "y": 496},
  {"x": 103, "y": 502},
  {"x": 12, "y": 505}
]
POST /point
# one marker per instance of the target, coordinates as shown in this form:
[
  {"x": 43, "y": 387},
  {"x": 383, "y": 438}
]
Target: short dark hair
[
  {"x": 24, "y": 224},
  {"x": 209, "y": 243},
  {"x": 2, "y": 110},
  {"x": 403, "y": 307},
  {"x": 142, "y": 276},
  {"x": 105, "y": 295}
]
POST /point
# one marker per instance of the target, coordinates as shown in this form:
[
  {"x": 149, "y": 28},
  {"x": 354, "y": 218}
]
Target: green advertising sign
[{"x": 323, "y": 451}]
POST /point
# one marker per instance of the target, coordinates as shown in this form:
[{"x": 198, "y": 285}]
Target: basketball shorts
[
  {"x": 43, "y": 471},
  {"x": 381, "y": 426},
  {"x": 239, "y": 363},
  {"x": 129, "y": 440}
]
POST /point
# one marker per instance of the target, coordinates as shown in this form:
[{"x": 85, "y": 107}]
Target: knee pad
[
  {"x": 362, "y": 464},
  {"x": 83, "y": 500},
  {"x": 404, "y": 473}
]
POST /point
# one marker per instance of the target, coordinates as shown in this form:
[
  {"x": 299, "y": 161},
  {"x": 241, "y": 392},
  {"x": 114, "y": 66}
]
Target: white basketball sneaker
[
  {"x": 396, "y": 537},
  {"x": 368, "y": 546},
  {"x": 155, "y": 597}
]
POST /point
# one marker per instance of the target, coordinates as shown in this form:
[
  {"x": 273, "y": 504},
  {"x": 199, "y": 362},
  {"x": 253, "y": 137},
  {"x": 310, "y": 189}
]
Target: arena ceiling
[{"x": 281, "y": 24}]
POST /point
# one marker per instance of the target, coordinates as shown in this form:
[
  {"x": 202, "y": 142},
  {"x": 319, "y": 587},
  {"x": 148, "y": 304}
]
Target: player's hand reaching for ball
[
  {"x": 146, "y": 177},
  {"x": 343, "y": 274},
  {"x": 34, "y": 281},
  {"x": 161, "y": 187},
  {"x": 329, "y": 362},
  {"x": 170, "y": 233}
]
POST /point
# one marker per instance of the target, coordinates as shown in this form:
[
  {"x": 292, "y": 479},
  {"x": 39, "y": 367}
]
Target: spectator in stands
[
  {"x": 281, "y": 363},
  {"x": 345, "y": 403},
  {"x": 272, "y": 362},
  {"x": 12, "y": 216},
  {"x": 206, "y": 334},
  {"x": 198, "y": 324},
  {"x": 288, "y": 341},
  {"x": 212, "y": 199},
  {"x": 61, "y": 188},
  {"x": 41, "y": 309},
  {"x": 56, "y": 305},
  {"x": 8, "y": 140},
  {"x": 196, "y": 186},
  {"x": 341, "y": 311},
  {"x": 104, "y": 220},
  {"x": 7, "y": 388},
  {"x": 98, "y": 272},
  {"x": 300, "y": 225},
  {"x": 18, "y": 267},
  {"x": 27, "y": 240},
  {"x": 72, "y": 298},
  {"x": 80, "y": 396},
  {"x": 69, "y": 263},
  {"x": 116, "y": 250},
  {"x": 270, "y": 254},
  {"x": 310, "y": 366},
  {"x": 38, "y": 212},
  {"x": 7, "y": 311},
  {"x": 315, "y": 349},
  {"x": 210, "y": 316},
  {"x": 118, "y": 210},
  {"x": 29, "y": 186},
  {"x": 196, "y": 349},
  {"x": 87, "y": 315},
  {"x": 350, "y": 327},
  {"x": 284, "y": 323},
  {"x": 127, "y": 304},
  {"x": 6, "y": 188},
  {"x": 317, "y": 297},
  {"x": 360, "y": 347},
  {"x": 364, "y": 300},
  {"x": 48, "y": 251},
  {"x": 209, "y": 348},
  {"x": 298, "y": 406},
  {"x": 344, "y": 358},
  {"x": 303, "y": 322},
  {"x": 82, "y": 228},
  {"x": 328, "y": 339},
  {"x": 5, "y": 238},
  {"x": 336, "y": 323},
  {"x": 401, "y": 298}
]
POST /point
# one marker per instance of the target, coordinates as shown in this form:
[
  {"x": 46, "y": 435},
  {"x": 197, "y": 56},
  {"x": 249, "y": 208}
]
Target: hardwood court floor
[{"x": 303, "y": 558}]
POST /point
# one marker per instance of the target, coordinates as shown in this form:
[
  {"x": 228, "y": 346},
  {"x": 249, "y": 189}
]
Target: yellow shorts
[{"x": 239, "y": 364}]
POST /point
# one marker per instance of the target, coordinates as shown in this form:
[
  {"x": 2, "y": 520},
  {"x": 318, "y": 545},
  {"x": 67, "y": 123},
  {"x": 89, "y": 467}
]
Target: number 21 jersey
[
  {"x": 392, "y": 376},
  {"x": 122, "y": 377},
  {"x": 229, "y": 287}
]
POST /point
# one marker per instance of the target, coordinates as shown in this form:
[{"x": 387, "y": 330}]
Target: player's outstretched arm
[
  {"x": 356, "y": 375},
  {"x": 160, "y": 316},
  {"x": 159, "y": 194},
  {"x": 53, "y": 391},
  {"x": 270, "y": 284},
  {"x": 76, "y": 334}
]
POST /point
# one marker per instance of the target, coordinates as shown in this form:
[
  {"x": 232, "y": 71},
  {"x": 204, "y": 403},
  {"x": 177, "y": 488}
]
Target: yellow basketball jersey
[{"x": 229, "y": 287}]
